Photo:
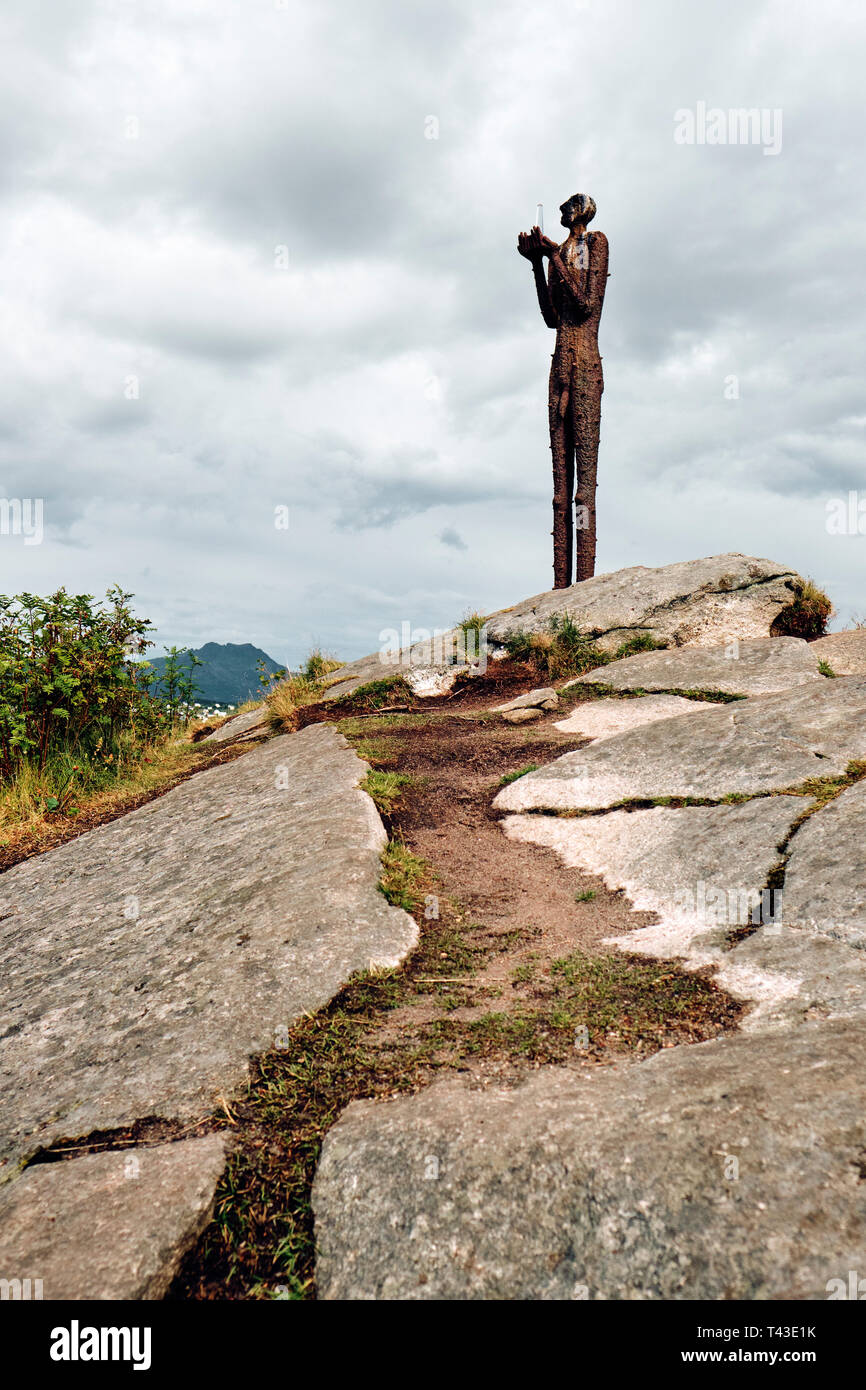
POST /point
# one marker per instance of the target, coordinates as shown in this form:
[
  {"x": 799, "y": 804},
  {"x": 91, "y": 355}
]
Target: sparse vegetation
[
  {"x": 317, "y": 666},
  {"x": 376, "y": 694},
  {"x": 826, "y": 670},
  {"x": 585, "y": 897},
  {"x": 403, "y": 877},
  {"x": 642, "y": 642},
  {"x": 385, "y": 788},
  {"x": 288, "y": 697},
  {"x": 521, "y": 772},
  {"x": 807, "y": 616},
  {"x": 558, "y": 652}
]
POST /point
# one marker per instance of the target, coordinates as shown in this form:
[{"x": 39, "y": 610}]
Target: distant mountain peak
[{"x": 229, "y": 673}]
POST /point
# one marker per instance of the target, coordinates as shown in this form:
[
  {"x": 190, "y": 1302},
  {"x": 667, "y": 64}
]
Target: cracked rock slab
[
  {"x": 604, "y": 718},
  {"x": 144, "y": 962},
  {"x": 109, "y": 1225},
  {"x": 703, "y": 602},
  {"x": 725, "y": 1170},
  {"x": 794, "y": 976},
  {"x": 825, "y": 879},
  {"x": 764, "y": 744},
  {"x": 759, "y": 667},
  {"x": 702, "y": 869}
]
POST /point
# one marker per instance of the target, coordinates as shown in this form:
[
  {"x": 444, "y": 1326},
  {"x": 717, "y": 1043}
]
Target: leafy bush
[{"x": 68, "y": 682}]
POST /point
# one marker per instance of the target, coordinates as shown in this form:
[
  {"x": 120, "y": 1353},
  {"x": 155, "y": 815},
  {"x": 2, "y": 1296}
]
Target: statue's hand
[{"x": 535, "y": 245}]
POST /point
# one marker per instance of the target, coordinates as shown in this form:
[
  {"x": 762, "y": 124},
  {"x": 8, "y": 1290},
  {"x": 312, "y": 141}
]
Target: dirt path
[{"x": 511, "y": 973}]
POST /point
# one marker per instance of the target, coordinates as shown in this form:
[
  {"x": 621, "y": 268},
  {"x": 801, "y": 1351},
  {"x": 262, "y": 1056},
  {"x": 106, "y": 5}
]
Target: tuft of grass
[
  {"x": 557, "y": 652},
  {"x": 471, "y": 622},
  {"x": 374, "y": 694},
  {"x": 521, "y": 772},
  {"x": 643, "y": 642},
  {"x": 826, "y": 670},
  {"x": 807, "y": 616},
  {"x": 585, "y": 897},
  {"x": 317, "y": 666},
  {"x": 385, "y": 788},
  {"x": 404, "y": 877},
  {"x": 288, "y": 697}
]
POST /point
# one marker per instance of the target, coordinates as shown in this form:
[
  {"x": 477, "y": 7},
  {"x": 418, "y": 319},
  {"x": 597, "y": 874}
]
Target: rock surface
[
  {"x": 109, "y": 1225},
  {"x": 693, "y": 1175},
  {"x": 759, "y": 667},
  {"x": 845, "y": 652},
  {"x": 702, "y": 602},
  {"x": 252, "y": 720},
  {"x": 767, "y": 743},
  {"x": 604, "y": 718},
  {"x": 545, "y": 698},
  {"x": 825, "y": 880},
  {"x": 702, "y": 869},
  {"x": 142, "y": 963},
  {"x": 523, "y": 716}
]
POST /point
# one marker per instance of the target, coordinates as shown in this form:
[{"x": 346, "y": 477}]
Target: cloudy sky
[{"x": 261, "y": 255}]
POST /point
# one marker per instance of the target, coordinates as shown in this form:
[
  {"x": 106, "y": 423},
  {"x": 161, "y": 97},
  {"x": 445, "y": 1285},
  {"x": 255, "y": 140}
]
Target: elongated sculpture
[{"x": 570, "y": 299}]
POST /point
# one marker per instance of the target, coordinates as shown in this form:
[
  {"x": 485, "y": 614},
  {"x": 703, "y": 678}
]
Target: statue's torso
[{"x": 576, "y": 323}]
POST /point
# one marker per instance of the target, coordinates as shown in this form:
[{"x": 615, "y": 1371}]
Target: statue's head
[{"x": 579, "y": 209}]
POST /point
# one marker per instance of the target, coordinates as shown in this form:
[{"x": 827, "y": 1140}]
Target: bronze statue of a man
[{"x": 570, "y": 300}]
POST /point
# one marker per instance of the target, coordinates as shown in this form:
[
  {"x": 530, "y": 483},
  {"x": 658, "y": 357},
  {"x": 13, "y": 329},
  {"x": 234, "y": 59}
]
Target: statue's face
[{"x": 579, "y": 209}]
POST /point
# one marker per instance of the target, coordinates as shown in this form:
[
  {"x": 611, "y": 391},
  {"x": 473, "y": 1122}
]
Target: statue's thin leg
[
  {"x": 587, "y": 386},
  {"x": 562, "y": 449}
]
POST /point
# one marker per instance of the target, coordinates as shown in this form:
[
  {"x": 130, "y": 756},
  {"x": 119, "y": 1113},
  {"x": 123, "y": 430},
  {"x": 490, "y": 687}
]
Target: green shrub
[{"x": 68, "y": 681}]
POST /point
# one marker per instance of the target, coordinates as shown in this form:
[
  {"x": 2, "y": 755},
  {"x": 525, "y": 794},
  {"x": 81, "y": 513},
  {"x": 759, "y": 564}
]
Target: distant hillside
[{"x": 229, "y": 672}]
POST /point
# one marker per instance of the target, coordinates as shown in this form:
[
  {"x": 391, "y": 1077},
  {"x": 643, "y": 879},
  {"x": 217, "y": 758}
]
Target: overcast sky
[{"x": 239, "y": 275}]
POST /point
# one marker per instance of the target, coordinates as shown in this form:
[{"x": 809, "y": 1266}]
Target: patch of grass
[
  {"x": 825, "y": 789},
  {"x": 75, "y": 785},
  {"x": 385, "y": 788},
  {"x": 643, "y": 642},
  {"x": 807, "y": 616},
  {"x": 557, "y": 652},
  {"x": 288, "y": 697},
  {"x": 826, "y": 670},
  {"x": 586, "y": 896},
  {"x": 471, "y": 622},
  {"x": 521, "y": 772},
  {"x": 375, "y": 753},
  {"x": 374, "y": 694},
  {"x": 317, "y": 666},
  {"x": 404, "y": 877},
  {"x": 30, "y": 822}
]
